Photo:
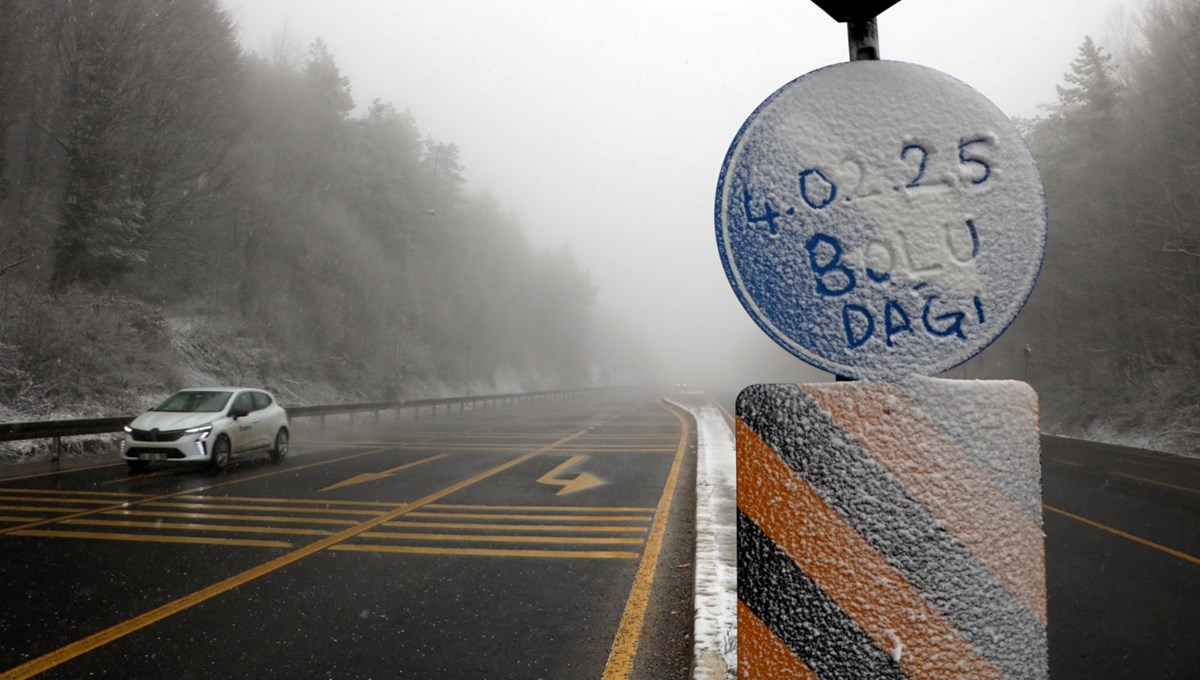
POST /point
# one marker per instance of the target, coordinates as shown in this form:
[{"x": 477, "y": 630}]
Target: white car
[{"x": 206, "y": 425}]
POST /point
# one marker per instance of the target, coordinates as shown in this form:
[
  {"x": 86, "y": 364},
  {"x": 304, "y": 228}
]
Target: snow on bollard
[{"x": 890, "y": 530}]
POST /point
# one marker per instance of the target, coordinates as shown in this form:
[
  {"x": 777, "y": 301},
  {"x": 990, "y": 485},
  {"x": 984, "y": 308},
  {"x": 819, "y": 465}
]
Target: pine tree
[{"x": 327, "y": 82}]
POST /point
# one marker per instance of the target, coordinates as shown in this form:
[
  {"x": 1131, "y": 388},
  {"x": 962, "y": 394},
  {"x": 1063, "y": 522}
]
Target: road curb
[{"x": 715, "y": 633}]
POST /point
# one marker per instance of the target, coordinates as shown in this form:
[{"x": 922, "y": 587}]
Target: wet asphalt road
[
  {"x": 1122, "y": 549},
  {"x": 543, "y": 540},
  {"x": 1122, "y": 561}
]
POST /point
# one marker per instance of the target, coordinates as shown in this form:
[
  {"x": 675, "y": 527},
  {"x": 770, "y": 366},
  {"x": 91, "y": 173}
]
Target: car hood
[{"x": 169, "y": 420}]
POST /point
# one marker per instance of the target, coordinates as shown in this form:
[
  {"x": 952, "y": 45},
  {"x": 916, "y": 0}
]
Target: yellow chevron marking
[
  {"x": 233, "y": 528},
  {"x": 488, "y": 552},
  {"x": 499, "y": 538},
  {"x": 148, "y": 538}
]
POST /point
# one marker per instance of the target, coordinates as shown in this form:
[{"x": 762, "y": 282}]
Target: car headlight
[
  {"x": 129, "y": 429},
  {"x": 203, "y": 431}
]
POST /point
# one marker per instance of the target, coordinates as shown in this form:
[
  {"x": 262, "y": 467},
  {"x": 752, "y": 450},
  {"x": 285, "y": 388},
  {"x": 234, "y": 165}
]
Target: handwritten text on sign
[{"x": 871, "y": 242}]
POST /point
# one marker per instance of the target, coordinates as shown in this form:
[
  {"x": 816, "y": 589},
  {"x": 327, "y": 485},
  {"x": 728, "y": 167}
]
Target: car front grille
[{"x": 156, "y": 435}]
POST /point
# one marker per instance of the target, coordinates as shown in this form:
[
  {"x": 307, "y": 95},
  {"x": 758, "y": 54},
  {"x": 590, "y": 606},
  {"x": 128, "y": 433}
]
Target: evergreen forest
[
  {"x": 1110, "y": 337},
  {"x": 175, "y": 210}
]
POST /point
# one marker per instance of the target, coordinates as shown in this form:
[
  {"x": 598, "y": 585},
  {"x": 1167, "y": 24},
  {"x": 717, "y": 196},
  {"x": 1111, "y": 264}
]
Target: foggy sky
[{"x": 603, "y": 126}]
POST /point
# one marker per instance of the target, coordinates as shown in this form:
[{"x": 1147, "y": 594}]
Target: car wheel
[
  {"x": 137, "y": 466},
  {"x": 281, "y": 445},
  {"x": 220, "y": 454}
]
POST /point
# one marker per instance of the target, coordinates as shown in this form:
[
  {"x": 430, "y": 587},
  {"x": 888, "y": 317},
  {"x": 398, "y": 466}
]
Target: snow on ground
[{"x": 715, "y": 638}]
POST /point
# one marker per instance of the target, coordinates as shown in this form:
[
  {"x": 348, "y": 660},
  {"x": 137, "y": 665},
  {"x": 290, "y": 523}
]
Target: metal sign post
[
  {"x": 861, "y": 26},
  {"x": 885, "y": 222},
  {"x": 864, "y": 39}
]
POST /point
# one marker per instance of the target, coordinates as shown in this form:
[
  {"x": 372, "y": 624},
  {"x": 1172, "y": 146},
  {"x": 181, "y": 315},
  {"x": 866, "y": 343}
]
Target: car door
[
  {"x": 242, "y": 433},
  {"x": 265, "y": 425}
]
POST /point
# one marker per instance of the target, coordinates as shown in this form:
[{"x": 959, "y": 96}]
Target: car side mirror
[{"x": 238, "y": 413}]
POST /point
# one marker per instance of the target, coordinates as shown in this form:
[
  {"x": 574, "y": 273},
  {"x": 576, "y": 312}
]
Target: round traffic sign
[{"x": 879, "y": 219}]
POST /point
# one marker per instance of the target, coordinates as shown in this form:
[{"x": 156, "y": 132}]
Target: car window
[
  {"x": 195, "y": 401},
  {"x": 261, "y": 400},
  {"x": 244, "y": 402}
]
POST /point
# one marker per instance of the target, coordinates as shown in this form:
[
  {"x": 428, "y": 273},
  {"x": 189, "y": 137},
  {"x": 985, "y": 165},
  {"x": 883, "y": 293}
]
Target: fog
[
  {"x": 369, "y": 199},
  {"x": 603, "y": 126}
]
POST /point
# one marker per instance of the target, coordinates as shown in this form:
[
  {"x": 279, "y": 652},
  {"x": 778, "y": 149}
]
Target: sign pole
[
  {"x": 864, "y": 39},
  {"x": 859, "y": 17}
]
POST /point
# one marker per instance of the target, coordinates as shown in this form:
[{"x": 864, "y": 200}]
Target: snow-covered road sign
[{"x": 879, "y": 219}]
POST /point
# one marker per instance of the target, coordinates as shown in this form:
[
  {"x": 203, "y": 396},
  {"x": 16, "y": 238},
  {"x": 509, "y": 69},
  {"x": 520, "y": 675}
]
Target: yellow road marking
[
  {"x": 286, "y": 470},
  {"x": 1067, "y": 462},
  {"x": 580, "y": 482},
  {"x": 248, "y": 518},
  {"x": 312, "y": 447},
  {"x": 623, "y": 449},
  {"x": 145, "y": 475},
  {"x": 502, "y": 448},
  {"x": 118, "y": 506},
  {"x": 44, "y": 499},
  {"x": 59, "y": 472},
  {"x": 522, "y": 527},
  {"x": 498, "y": 538},
  {"x": 235, "y": 528},
  {"x": 557, "y": 518},
  {"x": 489, "y": 552},
  {"x": 148, "y": 538},
  {"x": 617, "y": 435},
  {"x": 381, "y": 438},
  {"x": 515, "y": 435},
  {"x": 317, "y": 501},
  {"x": 12, "y": 518},
  {"x": 259, "y": 508},
  {"x": 625, "y": 644},
  {"x": 376, "y": 476},
  {"x": 39, "y": 508},
  {"x": 72, "y": 492},
  {"x": 1155, "y": 481},
  {"x": 1117, "y": 532},
  {"x": 407, "y": 438},
  {"x": 564, "y": 508},
  {"x": 103, "y": 637}
]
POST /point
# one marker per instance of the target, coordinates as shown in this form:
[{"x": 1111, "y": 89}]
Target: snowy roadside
[{"x": 715, "y": 637}]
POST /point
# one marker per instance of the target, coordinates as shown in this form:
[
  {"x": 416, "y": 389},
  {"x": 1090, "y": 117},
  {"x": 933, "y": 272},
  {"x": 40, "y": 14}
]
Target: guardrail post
[
  {"x": 322, "y": 422},
  {"x": 376, "y": 416},
  {"x": 57, "y": 449}
]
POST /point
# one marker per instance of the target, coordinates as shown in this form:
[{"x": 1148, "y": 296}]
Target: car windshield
[{"x": 193, "y": 401}]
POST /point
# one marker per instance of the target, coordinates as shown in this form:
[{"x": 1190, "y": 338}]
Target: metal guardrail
[
  {"x": 57, "y": 429},
  {"x": 418, "y": 404}
]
